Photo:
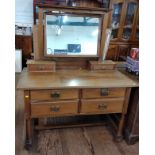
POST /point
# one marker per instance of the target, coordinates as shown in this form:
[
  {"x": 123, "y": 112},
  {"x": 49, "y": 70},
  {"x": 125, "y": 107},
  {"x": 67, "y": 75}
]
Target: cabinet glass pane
[
  {"x": 105, "y": 3},
  {"x": 130, "y": 14},
  {"x": 117, "y": 8},
  {"x": 114, "y": 33},
  {"x": 127, "y": 33},
  {"x": 131, "y": 10}
]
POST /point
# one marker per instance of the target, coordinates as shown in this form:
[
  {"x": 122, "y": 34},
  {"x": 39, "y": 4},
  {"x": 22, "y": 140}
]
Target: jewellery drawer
[
  {"x": 41, "y": 67},
  {"x": 55, "y": 94},
  {"x": 102, "y": 105},
  {"x": 103, "y": 93},
  {"x": 54, "y": 108}
]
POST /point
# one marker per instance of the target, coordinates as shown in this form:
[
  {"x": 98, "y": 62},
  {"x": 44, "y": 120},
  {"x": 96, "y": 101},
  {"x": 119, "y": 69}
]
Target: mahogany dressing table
[{"x": 60, "y": 82}]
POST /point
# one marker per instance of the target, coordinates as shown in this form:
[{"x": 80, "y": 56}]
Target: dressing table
[{"x": 62, "y": 79}]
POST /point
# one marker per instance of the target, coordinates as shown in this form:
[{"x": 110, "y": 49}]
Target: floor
[{"x": 71, "y": 141}]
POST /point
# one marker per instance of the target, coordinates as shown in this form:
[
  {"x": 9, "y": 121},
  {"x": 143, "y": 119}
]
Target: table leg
[
  {"x": 119, "y": 132},
  {"x": 29, "y": 134}
]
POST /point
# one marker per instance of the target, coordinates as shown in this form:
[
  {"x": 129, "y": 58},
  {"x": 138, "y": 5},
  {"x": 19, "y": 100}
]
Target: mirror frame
[{"x": 39, "y": 30}]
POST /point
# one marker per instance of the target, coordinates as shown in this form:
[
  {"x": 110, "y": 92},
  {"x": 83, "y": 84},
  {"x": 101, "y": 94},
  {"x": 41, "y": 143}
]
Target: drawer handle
[
  {"x": 104, "y": 92},
  {"x": 102, "y": 106},
  {"x": 55, "y": 108},
  {"x": 55, "y": 95}
]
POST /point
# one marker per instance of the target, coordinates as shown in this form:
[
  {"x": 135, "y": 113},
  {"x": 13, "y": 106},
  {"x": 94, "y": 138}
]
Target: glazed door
[
  {"x": 135, "y": 36},
  {"x": 130, "y": 20},
  {"x": 116, "y": 18}
]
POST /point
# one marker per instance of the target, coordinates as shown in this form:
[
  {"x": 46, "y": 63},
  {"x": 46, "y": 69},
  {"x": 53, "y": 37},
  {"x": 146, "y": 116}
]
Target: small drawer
[
  {"x": 105, "y": 65},
  {"x": 54, "y": 108},
  {"x": 103, "y": 93},
  {"x": 50, "y": 95},
  {"x": 102, "y": 106},
  {"x": 41, "y": 67}
]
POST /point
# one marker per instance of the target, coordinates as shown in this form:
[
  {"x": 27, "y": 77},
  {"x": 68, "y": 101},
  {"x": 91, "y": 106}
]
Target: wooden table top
[{"x": 74, "y": 79}]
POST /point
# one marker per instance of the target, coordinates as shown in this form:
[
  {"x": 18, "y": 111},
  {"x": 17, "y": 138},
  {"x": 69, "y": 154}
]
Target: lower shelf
[{"x": 71, "y": 121}]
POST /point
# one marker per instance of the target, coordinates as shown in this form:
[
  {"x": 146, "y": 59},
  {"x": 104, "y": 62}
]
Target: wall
[{"x": 24, "y": 12}]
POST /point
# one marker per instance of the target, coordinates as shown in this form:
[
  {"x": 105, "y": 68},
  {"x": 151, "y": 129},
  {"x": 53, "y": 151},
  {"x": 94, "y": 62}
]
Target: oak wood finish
[
  {"x": 28, "y": 121},
  {"x": 103, "y": 15},
  {"x": 54, "y": 108},
  {"x": 102, "y": 106},
  {"x": 74, "y": 79},
  {"x": 92, "y": 90},
  {"x": 55, "y": 94},
  {"x": 41, "y": 66},
  {"x": 40, "y": 35},
  {"x": 121, "y": 122},
  {"x": 98, "y": 137},
  {"x": 103, "y": 35},
  {"x": 97, "y": 93},
  {"x": 98, "y": 65},
  {"x": 35, "y": 42},
  {"x": 80, "y": 4}
]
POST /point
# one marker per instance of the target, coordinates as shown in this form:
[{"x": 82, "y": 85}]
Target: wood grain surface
[
  {"x": 73, "y": 141},
  {"x": 74, "y": 79}
]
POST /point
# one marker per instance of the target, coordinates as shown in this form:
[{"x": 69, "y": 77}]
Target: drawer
[
  {"x": 107, "y": 64},
  {"x": 102, "y": 105},
  {"x": 54, "y": 108},
  {"x": 41, "y": 67},
  {"x": 56, "y": 94},
  {"x": 103, "y": 93}
]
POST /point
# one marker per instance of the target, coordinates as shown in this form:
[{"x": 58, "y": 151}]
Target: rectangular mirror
[{"x": 71, "y": 35}]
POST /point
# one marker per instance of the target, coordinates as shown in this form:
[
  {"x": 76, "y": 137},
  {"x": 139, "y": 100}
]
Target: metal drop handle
[
  {"x": 104, "y": 92},
  {"x": 102, "y": 106},
  {"x": 55, "y": 108},
  {"x": 55, "y": 94}
]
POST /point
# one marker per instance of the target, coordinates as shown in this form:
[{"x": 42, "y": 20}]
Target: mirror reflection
[{"x": 71, "y": 35}]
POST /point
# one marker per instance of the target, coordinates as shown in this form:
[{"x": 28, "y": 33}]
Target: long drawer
[
  {"x": 102, "y": 105},
  {"x": 103, "y": 93},
  {"x": 54, "y": 108},
  {"x": 50, "y": 95}
]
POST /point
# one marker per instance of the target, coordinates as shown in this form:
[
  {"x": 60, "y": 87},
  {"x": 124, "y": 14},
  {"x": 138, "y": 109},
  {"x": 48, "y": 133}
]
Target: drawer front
[
  {"x": 103, "y": 93},
  {"x": 102, "y": 67},
  {"x": 50, "y": 95},
  {"x": 102, "y": 106},
  {"x": 54, "y": 108},
  {"x": 41, "y": 67}
]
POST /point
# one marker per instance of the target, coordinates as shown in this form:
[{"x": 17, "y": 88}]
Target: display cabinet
[
  {"x": 124, "y": 22},
  {"x": 116, "y": 17},
  {"x": 123, "y": 19},
  {"x": 130, "y": 20}
]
